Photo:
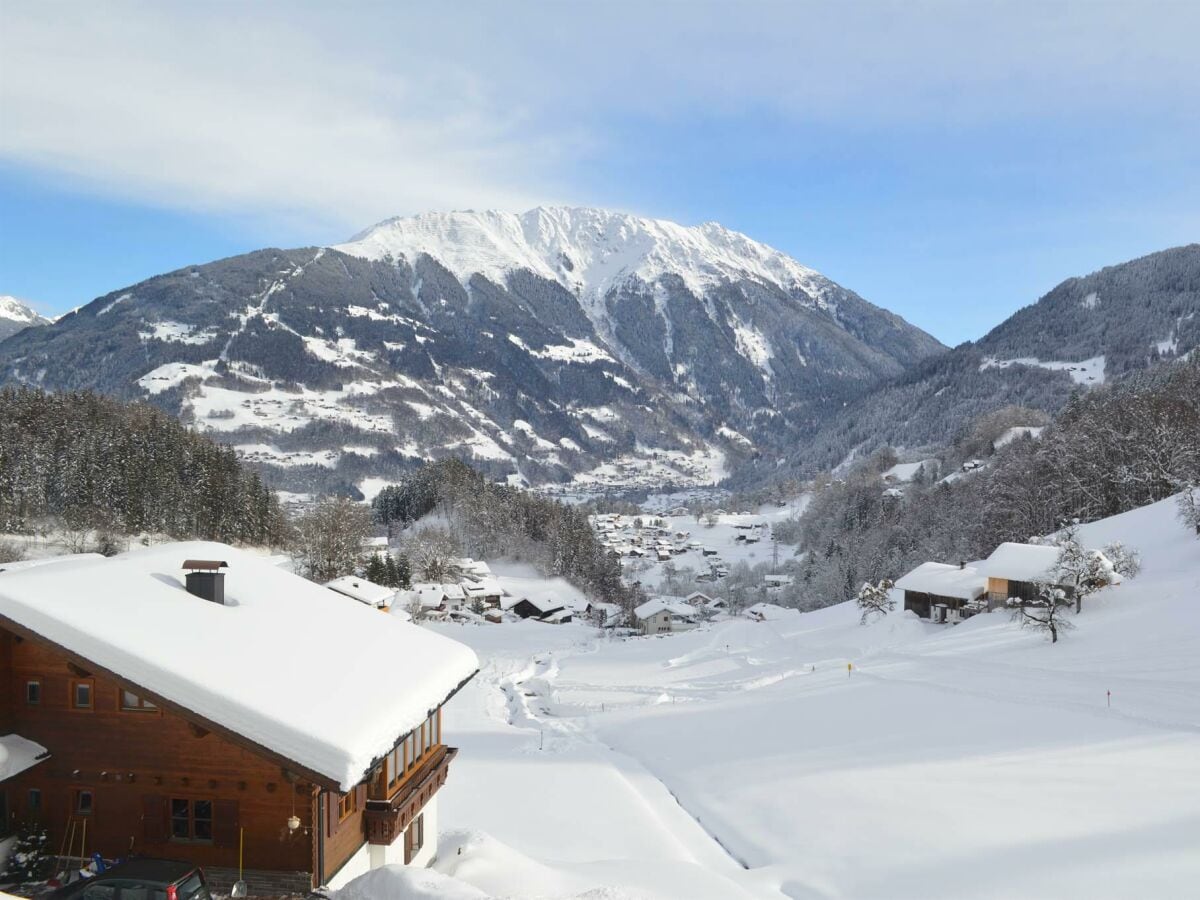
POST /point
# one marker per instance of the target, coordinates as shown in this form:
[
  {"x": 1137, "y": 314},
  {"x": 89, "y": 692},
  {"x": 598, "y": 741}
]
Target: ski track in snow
[{"x": 531, "y": 683}]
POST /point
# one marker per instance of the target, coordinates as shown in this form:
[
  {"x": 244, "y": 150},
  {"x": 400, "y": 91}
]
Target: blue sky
[{"x": 950, "y": 162}]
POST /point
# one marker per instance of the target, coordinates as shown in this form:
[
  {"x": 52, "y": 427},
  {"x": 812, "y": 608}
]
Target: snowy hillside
[
  {"x": 744, "y": 759},
  {"x": 1087, "y": 331},
  {"x": 16, "y": 315},
  {"x": 574, "y": 347}
]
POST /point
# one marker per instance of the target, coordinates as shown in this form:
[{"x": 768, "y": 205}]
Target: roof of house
[
  {"x": 557, "y": 616},
  {"x": 18, "y": 754},
  {"x": 967, "y": 583},
  {"x": 24, "y": 564},
  {"x": 543, "y": 604},
  {"x": 262, "y": 667},
  {"x": 363, "y": 591},
  {"x": 1021, "y": 562},
  {"x": 674, "y": 606}
]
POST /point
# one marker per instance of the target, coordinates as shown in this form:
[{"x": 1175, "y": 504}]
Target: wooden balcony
[{"x": 385, "y": 820}]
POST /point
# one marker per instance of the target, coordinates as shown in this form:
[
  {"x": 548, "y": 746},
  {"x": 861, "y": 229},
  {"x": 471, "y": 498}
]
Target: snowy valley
[{"x": 810, "y": 756}]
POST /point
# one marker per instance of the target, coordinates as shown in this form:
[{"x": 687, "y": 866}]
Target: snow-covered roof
[
  {"x": 967, "y": 583},
  {"x": 541, "y": 603},
  {"x": 24, "y": 564},
  {"x": 658, "y": 604},
  {"x": 18, "y": 754},
  {"x": 262, "y": 665},
  {"x": 363, "y": 591},
  {"x": 484, "y": 587},
  {"x": 1020, "y": 562},
  {"x": 557, "y": 616}
]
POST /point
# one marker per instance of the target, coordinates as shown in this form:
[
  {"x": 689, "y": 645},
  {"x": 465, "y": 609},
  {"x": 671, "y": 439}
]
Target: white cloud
[{"x": 346, "y": 115}]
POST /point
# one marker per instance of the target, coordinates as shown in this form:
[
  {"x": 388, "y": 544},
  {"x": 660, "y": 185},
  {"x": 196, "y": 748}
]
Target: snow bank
[{"x": 406, "y": 883}]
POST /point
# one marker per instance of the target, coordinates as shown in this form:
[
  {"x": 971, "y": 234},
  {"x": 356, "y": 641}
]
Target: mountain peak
[
  {"x": 586, "y": 249},
  {"x": 16, "y": 315}
]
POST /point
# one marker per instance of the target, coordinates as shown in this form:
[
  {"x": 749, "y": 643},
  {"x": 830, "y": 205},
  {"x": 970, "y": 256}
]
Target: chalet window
[
  {"x": 131, "y": 702},
  {"x": 33, "y": 692},
  {"x": 34, "y": 804},
  {"x": 191, "y": 820},
  {"x": 414, "y": 838},
  {"x": 85, "y": 802},
  {"x": 347, "y": 804},
  {"x": 82, "y": 693}
]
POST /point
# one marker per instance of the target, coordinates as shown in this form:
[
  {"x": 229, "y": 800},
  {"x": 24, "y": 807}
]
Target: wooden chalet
[
  {"x": 1013, "y": 570},
  {"x": 943, "y": 593},
  {"x": 176, "y": 709}
]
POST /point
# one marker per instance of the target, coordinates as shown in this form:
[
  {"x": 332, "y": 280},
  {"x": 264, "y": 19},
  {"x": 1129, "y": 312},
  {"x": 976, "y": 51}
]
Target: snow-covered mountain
[
  {"x": 554, "y": 345},
  {"x": 1088, "y": 330},
  {"x": 16, "y": 316},
  {"x": 588, "y": 251}
]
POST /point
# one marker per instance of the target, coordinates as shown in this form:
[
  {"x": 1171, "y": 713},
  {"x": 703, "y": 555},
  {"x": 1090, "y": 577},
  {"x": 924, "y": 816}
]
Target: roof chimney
[{"x": 205, "y": 580}]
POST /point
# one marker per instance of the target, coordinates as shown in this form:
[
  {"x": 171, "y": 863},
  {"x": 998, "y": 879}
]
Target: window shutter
[
  {"x": 408, "y": 844},
  {"x": 154, "y": 819},
  {"x": 331, "y": 813},
  {"x": 225, "y": 823}
]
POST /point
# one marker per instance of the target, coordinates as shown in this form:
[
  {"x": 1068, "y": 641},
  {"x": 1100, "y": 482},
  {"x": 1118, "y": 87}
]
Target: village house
[
  {"x": 177, "y": 700},
  {"x": 1013, "y": 570},
  {"x": 776, "y": 583},
  {"x": 944, "y": 593},
  {"x": 663, "y": 615},
  {"x": 366, "y": 592},
  {"x": 534, "y": 607}
]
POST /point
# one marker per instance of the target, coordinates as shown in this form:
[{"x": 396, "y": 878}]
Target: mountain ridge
[
  {"x": 673, "y": 361},
  {"x": 1089, "y": 329}
]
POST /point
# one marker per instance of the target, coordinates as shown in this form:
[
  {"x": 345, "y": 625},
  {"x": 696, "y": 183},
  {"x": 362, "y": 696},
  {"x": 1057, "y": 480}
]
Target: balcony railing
[{"x": 385, "y": 820}]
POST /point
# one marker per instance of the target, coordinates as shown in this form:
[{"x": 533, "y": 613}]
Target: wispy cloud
[{"x": 343, "y": 116}]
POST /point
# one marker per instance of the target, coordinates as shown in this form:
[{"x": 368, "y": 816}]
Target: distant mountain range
[
  {"x": 16, "y": 315},
  {"x": 569, "y": 346},
  {"x": 581, "y": 350},
  {"x": 1085, "y": 331}
]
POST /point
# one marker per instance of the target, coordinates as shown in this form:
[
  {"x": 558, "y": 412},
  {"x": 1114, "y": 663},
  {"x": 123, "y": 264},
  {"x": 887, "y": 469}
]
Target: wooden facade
[
  {"x": 141, "y": 776},
  {"x": 923, "y": 604}
]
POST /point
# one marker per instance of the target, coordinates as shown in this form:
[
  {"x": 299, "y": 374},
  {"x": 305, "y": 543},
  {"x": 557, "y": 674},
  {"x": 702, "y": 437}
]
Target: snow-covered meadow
[{"x": 748, "y": 758}]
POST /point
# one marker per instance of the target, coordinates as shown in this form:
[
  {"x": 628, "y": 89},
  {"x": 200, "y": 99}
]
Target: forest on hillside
[
  {"x": 80, "y": 462},
  {"x": 488, "y": 520},
  {"x": 1109, "y": 450}
]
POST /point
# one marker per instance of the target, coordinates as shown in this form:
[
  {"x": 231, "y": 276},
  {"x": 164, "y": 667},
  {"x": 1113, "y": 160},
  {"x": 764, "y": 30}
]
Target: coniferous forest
[{"x": 83, "y": 461}]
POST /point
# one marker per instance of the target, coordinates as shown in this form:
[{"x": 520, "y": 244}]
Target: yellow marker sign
[{"x": 849, "y": 669}]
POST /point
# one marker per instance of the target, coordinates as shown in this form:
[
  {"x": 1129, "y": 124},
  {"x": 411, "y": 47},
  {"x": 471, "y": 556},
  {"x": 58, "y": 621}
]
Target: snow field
[{"x": 975, "y": 760}]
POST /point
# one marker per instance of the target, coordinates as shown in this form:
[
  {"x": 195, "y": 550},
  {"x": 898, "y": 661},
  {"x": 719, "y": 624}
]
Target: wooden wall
[{"x": 135, "y": 763}]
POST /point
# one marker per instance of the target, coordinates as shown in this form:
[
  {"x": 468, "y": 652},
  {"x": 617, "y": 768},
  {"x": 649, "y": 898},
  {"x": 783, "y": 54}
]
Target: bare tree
[
  {"x": 329, "y": 538},
  {"x": 1189, "y": 507},
  {"x": 11, "y": 551},
  {"x": 875, "y": 599},
  {"x": 434, "y": 553},
  {"x": 1086, "y": 571},
  {"x": 1047, "y": 612}
]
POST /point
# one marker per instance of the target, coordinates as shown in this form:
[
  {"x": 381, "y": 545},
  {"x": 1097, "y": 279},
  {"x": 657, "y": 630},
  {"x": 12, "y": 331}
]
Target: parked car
[{"x": 141, "y": 879}]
